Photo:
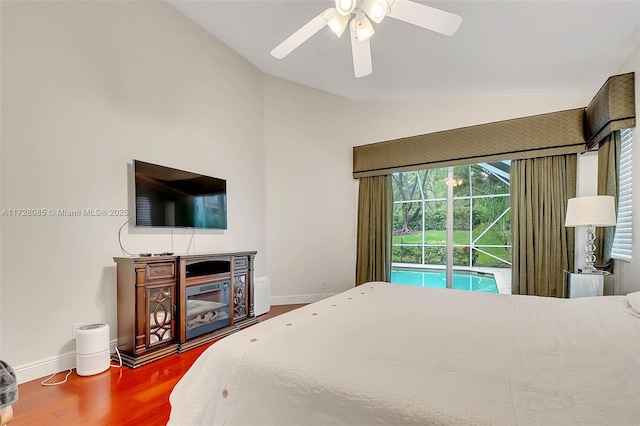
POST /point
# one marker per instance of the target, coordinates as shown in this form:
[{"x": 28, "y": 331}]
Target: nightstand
[{"x": 583, "y": 285}]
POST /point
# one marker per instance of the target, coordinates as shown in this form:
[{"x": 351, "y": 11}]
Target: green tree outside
[{"x": 481, "y": 219}]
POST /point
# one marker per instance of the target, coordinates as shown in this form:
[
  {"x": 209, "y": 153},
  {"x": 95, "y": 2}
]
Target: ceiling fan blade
[
  {"x": 302, "y": 35},
  {"x": 425, "y": 16},
  {"x": 361, "y": 51}
]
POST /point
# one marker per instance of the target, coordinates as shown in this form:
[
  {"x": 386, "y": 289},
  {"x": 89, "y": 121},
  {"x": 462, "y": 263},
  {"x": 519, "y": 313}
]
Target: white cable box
[{"x": 262, "y": 295}]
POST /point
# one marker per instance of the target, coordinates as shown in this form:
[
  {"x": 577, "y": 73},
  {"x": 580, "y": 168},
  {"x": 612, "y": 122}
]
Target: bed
[{"x": 382, "y": 354}]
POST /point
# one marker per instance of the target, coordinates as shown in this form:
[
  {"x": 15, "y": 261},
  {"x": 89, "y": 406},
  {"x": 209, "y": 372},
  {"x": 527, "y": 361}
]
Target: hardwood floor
[{"x": 119, "y": 396}]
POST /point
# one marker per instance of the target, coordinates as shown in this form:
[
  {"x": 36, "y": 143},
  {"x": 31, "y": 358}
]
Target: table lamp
[{"x": 592, "y": 211}]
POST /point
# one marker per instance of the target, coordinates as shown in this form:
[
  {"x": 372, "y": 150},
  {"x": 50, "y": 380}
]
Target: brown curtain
[
  {"x": 375, "y": 216},
  {"x": 608, "y": 184},
  {"x": 542, "y": 246}
]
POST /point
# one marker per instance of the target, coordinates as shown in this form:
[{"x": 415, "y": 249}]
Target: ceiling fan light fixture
[
  {"x": 356, "y": 14},
  {"x": 338, "y": 23},
  {"x": 364, "y": 29},
  {"x": 375, "y": 9},
  {"x": 345, "y": 7}
]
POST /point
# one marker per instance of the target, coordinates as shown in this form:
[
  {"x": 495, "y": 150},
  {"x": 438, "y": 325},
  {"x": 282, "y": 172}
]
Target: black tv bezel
[{"x": 195, "y": 174}]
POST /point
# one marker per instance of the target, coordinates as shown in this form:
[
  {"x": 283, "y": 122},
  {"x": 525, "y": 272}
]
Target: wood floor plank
[{"x": 118, "y": 396}]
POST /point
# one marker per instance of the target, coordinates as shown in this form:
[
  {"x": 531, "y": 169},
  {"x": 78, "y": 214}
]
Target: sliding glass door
[{"x": 452, "y": 219}]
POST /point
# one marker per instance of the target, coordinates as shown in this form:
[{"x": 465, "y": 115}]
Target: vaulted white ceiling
[{"x": 501, "y": 48}]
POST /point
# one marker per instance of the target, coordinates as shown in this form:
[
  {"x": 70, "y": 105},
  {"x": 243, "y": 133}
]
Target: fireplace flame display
[{"x": 207, "y": 308}]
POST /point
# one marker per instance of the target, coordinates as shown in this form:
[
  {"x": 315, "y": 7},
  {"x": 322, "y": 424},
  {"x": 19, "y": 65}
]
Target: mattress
[{"x": 390, "y": 354}]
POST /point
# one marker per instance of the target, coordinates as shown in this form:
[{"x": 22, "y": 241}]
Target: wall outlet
[
  {"x": 323, "y": 285},
  {"x": 74, "y": 329}
]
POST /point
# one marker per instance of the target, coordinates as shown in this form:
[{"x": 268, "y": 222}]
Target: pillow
[
  {"x": 633, "y": 301},
  {"x": 8, "y": 386}
]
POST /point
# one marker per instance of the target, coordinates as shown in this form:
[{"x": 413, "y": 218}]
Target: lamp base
[{"x": 590, "y": 258}]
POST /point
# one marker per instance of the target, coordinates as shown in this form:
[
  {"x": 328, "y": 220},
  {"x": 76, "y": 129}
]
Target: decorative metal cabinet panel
[{"x": 146, "y": 304}]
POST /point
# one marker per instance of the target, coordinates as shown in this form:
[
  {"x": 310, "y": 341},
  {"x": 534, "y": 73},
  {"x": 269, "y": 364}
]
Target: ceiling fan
[{"x": 358, "y": 14}]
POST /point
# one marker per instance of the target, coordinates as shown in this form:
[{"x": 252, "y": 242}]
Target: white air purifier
[
  {"x": 262, "y": 295},
  {"x": 92, "y": 349}
]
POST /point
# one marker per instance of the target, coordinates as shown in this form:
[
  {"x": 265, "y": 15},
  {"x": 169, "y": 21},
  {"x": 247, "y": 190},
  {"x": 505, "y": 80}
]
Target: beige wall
[
  {"x": 311, "y": 208},
  {"x": 86, "y": 88},
  {"x": 587, "y": 184},
  {"x": 89, "y": 86},
  {"x": 312, "y": 203}
]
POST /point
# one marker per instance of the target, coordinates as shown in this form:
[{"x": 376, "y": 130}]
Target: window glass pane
[
  {"x": 434, "y": 183},
  {"x": 406, "y": 254},
  {"x": 481, "y": 223},
  {"x": 435, "y": 219},
  {"x": 435, "y": 232},
  {"x": 492, "y": 231},
  {"x": 435, "y": 255},
  {"x": 489, "y": 179},
  {"x": 461, "y": 183},
  {"x": 461, "y": 235},
  {"x": 407, "y": 218}
]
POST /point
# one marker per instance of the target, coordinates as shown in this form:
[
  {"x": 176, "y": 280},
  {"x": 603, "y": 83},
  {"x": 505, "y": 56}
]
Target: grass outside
[
  {"x": 461, "y": 238},
  {"x": 440, "y": 237}
]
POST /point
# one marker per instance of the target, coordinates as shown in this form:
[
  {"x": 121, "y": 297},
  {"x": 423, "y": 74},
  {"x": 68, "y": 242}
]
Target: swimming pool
[{"x": 462, "y": 280}]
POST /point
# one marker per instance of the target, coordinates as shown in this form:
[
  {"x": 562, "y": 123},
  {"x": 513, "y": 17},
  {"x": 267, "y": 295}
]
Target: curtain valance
[
  {"x": 557, "y": 133},
  {"x": 613, "y": 108},
  {"x": 537, "y": 136}
]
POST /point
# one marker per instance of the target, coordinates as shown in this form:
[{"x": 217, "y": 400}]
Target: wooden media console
[{"x": 170, "y": 304}]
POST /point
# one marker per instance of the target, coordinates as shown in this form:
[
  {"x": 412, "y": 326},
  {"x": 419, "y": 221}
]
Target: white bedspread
[{"x": 392, "y": 354}]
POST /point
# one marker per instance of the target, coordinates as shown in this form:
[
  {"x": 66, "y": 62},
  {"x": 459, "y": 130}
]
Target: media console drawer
[
  {"x": 161, "y": 271},
  {"x": 240, "y": 262}
]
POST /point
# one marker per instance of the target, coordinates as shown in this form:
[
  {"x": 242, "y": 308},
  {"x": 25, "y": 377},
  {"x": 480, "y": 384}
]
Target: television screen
[{"x": 176, "y": 198}]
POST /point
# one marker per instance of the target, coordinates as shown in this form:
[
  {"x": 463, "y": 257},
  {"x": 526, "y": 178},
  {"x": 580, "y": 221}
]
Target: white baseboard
[
  {"x": 297, "y": 299},
  {"x": 48, "y": 366},
  {"x": 45, "y": 367},
  {"x": 66, "y": 361}
]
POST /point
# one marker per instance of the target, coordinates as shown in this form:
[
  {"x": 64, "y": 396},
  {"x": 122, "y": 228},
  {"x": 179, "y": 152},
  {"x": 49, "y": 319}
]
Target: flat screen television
[{"x": 177, "y": 198}]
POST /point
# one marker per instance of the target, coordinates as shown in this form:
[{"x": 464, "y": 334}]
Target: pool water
[{"x": 434, "y": 278}]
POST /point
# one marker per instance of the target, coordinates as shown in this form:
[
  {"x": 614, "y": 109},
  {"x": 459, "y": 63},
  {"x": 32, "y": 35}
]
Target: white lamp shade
[
  {"x": 338, "y": 23},
  {"x": 364, "y": 29},
  {"x": 375, "y": 9},
  {"x": 597, "y": 210},
  {"x": 345, "y": 7}
]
